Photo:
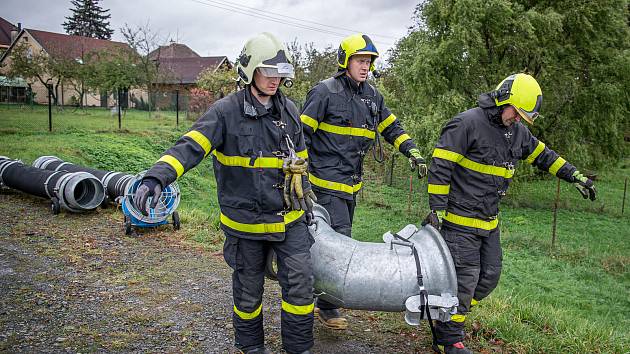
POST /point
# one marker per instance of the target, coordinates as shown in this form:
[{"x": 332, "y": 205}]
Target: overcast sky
[{"x": 209, "y": 28}]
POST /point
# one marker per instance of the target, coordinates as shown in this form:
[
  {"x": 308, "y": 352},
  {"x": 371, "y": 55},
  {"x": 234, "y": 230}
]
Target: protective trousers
[
  {"x": 295, "y": 275},
  {"x": 341, "y": 214},
  {"x": 478, "y": 262}
]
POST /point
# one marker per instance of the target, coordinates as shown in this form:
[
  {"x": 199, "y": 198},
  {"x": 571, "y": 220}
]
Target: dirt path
[{"x": 75, "y": 283}]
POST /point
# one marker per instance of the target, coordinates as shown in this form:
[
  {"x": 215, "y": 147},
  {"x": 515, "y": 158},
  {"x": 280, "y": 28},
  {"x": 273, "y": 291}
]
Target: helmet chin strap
[{"x": 260, "y": 92}]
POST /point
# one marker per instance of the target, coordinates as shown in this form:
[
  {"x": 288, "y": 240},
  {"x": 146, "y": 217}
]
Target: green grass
[{"x": 573, "y": 298}]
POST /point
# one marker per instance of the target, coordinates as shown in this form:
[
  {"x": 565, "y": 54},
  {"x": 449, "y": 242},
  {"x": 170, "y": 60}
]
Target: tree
[
  {"x": 311, "y": 66},
  {"x": 113, "y": 70},
  {"x": 36, "y": 65},
  {"x": 88, "y": 19},
  {"x": 144, "y": 41},
  {"x": 578, "y": 52},
  {"x": 219, "y": 82}
]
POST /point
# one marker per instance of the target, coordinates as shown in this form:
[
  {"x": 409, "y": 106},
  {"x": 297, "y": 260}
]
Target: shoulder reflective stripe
[
  {"x": 557, "y": 165},
  {"x": 447, "y": 155},
  {"x": 200, "y": 139},
  {"x": 539, "y": 148},
  {"x": 335, "y": 129},
  {"x": 386, "y": 123},
  {"x": 471, "y": 222},
  {"x": 336, "y": 186},
  {"x": 309, "y": 121},
  {"x": 174, "y": 163},
  {"x": 487, "y": 169},
  {"x": 297, "y": 309},
  {"x": 439, "y": 188},
  {"x": 262, "y": 228},
  {"x": 458, "y": 318},
  {"x": 303, "y": 154},
  {"x": 240, "y": 161},
  {"x": 401, "y": 139},
  {"x": 248, "y": 315}
]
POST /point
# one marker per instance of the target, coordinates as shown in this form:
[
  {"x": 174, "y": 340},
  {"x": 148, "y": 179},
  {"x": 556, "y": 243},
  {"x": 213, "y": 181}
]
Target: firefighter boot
[
  {"x": 457, "y": 348},
  {"x": 331, "y": 318}
]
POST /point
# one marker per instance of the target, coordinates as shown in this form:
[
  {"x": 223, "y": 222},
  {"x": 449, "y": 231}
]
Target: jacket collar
[
  {"x": 254, "y": 109},
  {"x": 490, "y": 108}
]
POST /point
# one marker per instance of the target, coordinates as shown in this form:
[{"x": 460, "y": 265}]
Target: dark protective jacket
[
  {"x": 247, "y": 146},
  {"x": 340, "y": 122},
  {"x": 473, "y": 164}
]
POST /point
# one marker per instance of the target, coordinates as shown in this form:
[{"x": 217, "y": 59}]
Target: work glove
[
  {"x": 416, "y": 161},
  {"x": 295, "y": 196},
  {"x": 434, "y": 218},
  {"x": 149, "y": 187},
  {"x": 584, "y": 185}
]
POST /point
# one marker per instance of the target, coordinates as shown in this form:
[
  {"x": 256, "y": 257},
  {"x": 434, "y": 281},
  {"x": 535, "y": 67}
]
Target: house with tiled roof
[
  {"x": 62, "y": 46},
  {"x": 178, "y": 69}
]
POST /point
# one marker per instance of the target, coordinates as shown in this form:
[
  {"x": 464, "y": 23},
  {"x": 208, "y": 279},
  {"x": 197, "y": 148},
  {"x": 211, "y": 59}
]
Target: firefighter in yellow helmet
[
  {"x": 344, "y": 117},
  {"x": 254, "y": 137},
  {"x": 473, "y": 165}
]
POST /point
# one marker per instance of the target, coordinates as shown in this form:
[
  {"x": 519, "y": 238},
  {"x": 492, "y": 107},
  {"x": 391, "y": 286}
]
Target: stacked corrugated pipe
[
  {"x": 73, "y": 191},
  {"x": 114, "y": 183}
]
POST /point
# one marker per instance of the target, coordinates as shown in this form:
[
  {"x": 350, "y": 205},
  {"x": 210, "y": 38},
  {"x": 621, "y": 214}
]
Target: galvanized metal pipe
[{"x": 383, "y": 276}]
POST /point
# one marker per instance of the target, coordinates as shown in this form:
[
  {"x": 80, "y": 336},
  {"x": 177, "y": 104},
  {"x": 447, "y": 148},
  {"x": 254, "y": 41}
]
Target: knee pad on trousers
[{"x": 248, "y": 292}]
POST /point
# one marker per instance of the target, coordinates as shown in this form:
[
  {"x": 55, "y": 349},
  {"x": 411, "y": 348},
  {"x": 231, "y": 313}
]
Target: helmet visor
[
  {"x": 530, "y": 116},
  {"x": 279, "y": 70}
]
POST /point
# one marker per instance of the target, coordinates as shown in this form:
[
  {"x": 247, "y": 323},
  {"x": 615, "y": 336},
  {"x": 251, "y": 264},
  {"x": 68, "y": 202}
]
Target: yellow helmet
[
  {"x": 521, "y": 91},
  {"x": 355, "y": 44}
]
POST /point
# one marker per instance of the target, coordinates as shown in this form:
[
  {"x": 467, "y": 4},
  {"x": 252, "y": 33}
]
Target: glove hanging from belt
[{"x": 295, "y": 196}]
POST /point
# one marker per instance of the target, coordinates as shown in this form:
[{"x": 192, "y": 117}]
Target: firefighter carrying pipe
[
  {"x": 384, "y": 276},
  {"x": 114, "y": 183},
  {"x": 73, "y": 191}
]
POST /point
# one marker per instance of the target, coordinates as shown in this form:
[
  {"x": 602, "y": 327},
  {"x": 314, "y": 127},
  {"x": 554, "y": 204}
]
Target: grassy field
[{"x": 574, "y": 298}]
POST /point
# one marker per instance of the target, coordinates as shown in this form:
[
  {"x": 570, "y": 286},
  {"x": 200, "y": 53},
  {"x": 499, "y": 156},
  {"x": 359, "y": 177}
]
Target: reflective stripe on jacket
[
  {"x": 247, "y": 146},
  {"x": 340, "y": 123},
  {"x": 474, "y": 161}
]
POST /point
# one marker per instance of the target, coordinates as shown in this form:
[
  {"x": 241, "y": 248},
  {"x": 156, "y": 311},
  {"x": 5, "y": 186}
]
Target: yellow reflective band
[
  {"x": 401, "y": 139},
  {"x": 262, "y": 228},
  {"x": 303, "y": 154},
  {"x": 248, "y": 315},
  {"x": 297, "y": 309},
  {"x": 200, "y": 139},
  {"x": 487, "y": 169},
  {"x": 439, "y": 188},
  {"x": 174, "y": 163},
  {"x": 458, "y": 318},
  {"x": 474, "y": 302},
  {"x": 539, "y": 148},
  {"x": 386, "y": 123},
  {"x": 336, "y": 186},
  {"x": 240, "y": 161},
  {"x": 335, "y": 129},
  {"x": 553, "y": 169},
  {"x": 309, "y": 121},
  {"x": 472, "y": 165},
  {"x": 471, "y": 222},
  {"x": 447, "y": 155}
]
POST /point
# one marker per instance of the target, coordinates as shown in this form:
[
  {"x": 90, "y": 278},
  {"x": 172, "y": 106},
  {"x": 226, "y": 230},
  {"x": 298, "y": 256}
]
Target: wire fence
[{"x": 169, "y": 110}]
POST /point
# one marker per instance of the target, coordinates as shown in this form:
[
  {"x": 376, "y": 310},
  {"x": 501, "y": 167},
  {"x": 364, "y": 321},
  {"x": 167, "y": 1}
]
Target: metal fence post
[
  {"x": 177, "y": 108},
  {"x": 118, "y": 100},
  {"x": 49, "y": 86}
]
